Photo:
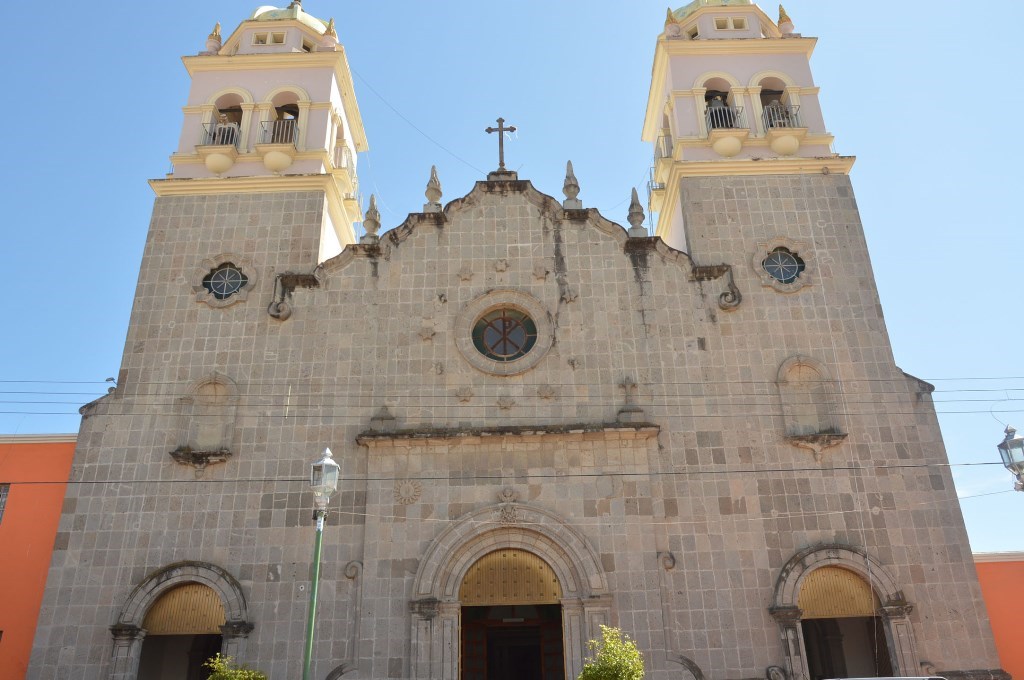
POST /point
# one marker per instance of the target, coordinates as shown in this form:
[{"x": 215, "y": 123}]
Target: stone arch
[
  {"x": 895, "y": 609},
  {"x": 711, "y": 75},
  {"x": 546, "y": 535},
  {"x": 128, "y": 632},
  {"x": 435, "y": 608},
  {"x": 756, "y": 79},
  {"x": 245, "y": 95},
  {"x": 300, "y": 93},
  {"x": 857, "y": 560}
]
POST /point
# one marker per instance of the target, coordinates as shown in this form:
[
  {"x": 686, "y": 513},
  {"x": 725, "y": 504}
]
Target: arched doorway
[
  {"x": 840, "y": 614},
  {"x": 843, "y": 634},
  {"x": 511, "y": 619},
  {"x": 183, "y": 630}
]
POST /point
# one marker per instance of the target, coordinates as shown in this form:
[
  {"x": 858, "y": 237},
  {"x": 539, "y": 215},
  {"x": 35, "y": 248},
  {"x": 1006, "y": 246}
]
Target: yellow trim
[
  {"x": 343, "y": 212},
  {"x": 839, "y": 165},
  {"x": 287, "y": 60}
]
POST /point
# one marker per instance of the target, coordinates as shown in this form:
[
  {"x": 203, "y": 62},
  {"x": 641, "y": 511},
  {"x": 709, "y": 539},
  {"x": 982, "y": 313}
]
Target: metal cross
[{"x": 501, "y": 130}]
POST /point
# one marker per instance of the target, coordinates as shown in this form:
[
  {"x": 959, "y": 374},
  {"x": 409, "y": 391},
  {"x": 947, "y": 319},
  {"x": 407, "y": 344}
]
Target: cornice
[
  {"x": 38, "y": 438},
  {"x": 981, "y": 558}
]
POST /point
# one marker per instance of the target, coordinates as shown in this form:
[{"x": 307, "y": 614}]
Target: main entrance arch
[
  {"x": 511, "y": 622},
  {"x": 525, "y": 533}
]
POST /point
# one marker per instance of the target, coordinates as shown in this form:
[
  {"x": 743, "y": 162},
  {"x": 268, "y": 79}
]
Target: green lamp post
[{"x": 323, "y": 481}]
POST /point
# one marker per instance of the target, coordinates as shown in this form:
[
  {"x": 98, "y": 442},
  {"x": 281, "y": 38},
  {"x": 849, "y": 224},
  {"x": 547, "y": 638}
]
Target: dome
[
  {"x": 293, "y": 11},
  {"x": 686, "y": 11}
]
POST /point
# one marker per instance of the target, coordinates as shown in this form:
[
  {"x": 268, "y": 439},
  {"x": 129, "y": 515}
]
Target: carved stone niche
[
  {"x": 810, "y": 405},
  {"x": 207, "y": 423}
]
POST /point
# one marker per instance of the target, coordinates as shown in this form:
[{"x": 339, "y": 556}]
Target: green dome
[
  {"x": 292, "y": 12},
  {"x": 686, "y": 11}
]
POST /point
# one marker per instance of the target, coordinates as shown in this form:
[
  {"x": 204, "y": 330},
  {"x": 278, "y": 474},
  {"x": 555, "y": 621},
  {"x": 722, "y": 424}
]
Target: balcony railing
[
  {"x": 220, "y": 134},
  {"x": 777, "y": 115},
  {"x": 279, "y": 131},
  {"x": 724, "y": 117}
]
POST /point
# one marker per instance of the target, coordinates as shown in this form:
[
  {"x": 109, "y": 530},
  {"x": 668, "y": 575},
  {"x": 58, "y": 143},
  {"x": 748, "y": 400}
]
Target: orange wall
[
  {"x": 27, "y": 531},
  {"x": 1001, "y": 586}
]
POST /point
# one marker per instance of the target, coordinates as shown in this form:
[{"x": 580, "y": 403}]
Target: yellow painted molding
[{"x": 291, "y": 60}]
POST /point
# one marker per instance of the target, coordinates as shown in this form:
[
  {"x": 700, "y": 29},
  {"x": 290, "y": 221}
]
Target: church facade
[{"x": 546, "y": 422}]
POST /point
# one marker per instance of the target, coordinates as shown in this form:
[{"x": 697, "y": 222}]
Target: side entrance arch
[
  {"x": 840, "y": 614},
  {"x": 497, "y": 565},
  {"x": 193, "y": 600}
]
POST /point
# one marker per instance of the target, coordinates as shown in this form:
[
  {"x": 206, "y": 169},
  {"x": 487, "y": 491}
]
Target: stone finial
[
  {"x": 213, "y": 41},
  {"x": 571, "y": 189},
  {"x": 329, "y": 40},
  {"x": 785, "y": 23},
  {"x": 672, "y": 27},
  {"x": 636, "y": 217},
  {"x": 433, "y": 193},
  {"x": 371, "y": 223}
]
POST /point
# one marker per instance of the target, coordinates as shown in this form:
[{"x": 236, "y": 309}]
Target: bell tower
[
  {"x": 731, "y": 95},
  {"x": 272, "y": 109}
]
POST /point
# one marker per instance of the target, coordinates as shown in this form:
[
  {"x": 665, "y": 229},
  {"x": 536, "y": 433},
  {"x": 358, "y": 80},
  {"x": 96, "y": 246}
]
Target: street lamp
[
  {"x": 323, "y": 481},
  {"x": 1012, "y": 451}
]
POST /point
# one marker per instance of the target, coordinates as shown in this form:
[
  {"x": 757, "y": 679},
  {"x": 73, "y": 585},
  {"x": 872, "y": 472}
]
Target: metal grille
[
  {"x": 777, "y": 115},
  {"x": 279, "y": 131},
  {"x": 191, "y": 609},
  {"x": 510, "y": 577},
  {"x": 723, "y": 117},
  {"x": 225, "y": 134},
  {"x": 4, "y": 490},
  {"x": 835, "y": 593}
]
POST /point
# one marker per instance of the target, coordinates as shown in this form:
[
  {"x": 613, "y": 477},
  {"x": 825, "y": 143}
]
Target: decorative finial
[
  {"x": 636, "y": 217},
  {"x": 330, "y": 29},
  {"x": 670, "y": 18},
  {"x": 571, "y": 189},
  {"x": 213, "y": 41},
  {"x": 371, "y": 223},
  {"x": 433, "y": 193},
  {"x": 785, "y": 23}
]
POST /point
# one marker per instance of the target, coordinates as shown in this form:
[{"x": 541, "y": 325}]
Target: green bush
[
  {"x": 224, "y": 668},
  {"x": 614, "y": 657}
]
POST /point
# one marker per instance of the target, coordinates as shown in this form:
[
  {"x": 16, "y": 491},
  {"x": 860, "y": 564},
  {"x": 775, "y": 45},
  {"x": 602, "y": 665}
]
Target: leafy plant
[
  {"x": 614, "y": 657},
  {"x": 224, "y": 668}
]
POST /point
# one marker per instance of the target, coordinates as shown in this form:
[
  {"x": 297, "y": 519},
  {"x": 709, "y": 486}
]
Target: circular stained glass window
[
  {"x": 504, "y": 334},
  {"x": 225, "y": 281},
  {"x": 783, "y": 265}
]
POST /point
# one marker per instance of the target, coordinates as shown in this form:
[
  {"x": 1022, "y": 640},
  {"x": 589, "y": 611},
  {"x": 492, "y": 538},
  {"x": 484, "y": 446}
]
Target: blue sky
[{"x": 925, "y": 94}]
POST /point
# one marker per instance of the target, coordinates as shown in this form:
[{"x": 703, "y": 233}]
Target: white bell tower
[{"x": 272, "y": 109}]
